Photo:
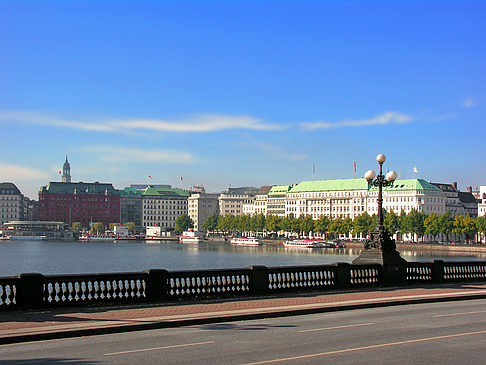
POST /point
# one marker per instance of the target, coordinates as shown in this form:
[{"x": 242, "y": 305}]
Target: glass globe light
[
  {"x": 369, "y": 175},
  {"x": 391, "y": 176},
  {"x": 381, "y": 158}
]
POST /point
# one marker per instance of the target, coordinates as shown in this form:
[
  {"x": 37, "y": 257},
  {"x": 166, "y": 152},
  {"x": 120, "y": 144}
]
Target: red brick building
[{"x": 79, "y": 202}]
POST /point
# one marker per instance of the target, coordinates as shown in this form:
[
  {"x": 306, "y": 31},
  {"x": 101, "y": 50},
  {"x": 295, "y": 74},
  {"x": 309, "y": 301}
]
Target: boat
[
  {"x": 97, "y": 237},
  {"x": 25, "y": 238},
  {"x": 245, "y": 241},
  {"x": 305, "y": 243},
  {"x": 189, "y": 237}
]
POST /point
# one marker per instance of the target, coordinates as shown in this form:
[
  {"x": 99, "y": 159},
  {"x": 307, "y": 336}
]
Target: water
[{"x": 55, "y": 257}]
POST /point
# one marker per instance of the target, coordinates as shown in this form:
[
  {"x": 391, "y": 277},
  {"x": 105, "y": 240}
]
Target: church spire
[{"x": 66, "y": 171}]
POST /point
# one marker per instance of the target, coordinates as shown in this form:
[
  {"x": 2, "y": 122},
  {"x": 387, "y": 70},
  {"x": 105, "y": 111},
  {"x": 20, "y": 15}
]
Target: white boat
[
  {"x": 305, "y": 243},
  {"x": 189, "y": 237},
  {"x": 25, "y": 238},
  {"x": 97, "y": 237},
  {"x": 245, "y": 241}
]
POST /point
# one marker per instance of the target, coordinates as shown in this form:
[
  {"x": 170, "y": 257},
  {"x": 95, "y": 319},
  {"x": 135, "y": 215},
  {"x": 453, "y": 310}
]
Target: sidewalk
[{"x": 73, "y": 322}]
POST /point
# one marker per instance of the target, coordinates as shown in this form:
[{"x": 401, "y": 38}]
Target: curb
[{"x": 228, "y": 318}]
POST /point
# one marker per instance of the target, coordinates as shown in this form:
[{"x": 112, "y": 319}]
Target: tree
[
  {"x": 306, "y": 224},
  {"x": 258, "y": 222},
  {"x": 481, "y": 225},
  {"x": 111, "y": 226},
  {"x": 211, "y": 223},
  {"x": 431, "y": 223},
  {"x": 362, "y": 224},
  {"x": 98, "y": 227},
  {"x": 286, "y": 223},
  {"x": 322, "y": 225},
  {"x": 464, "y": 225},
  {"x": 183, "y": 223},
  {"x": 446, "y": 223},
  {"x": 391, "y": 222},
  {"x": 77, "y": 226},
  {"x": 415, "y": 223},
  {"x": 131, "y": 227},
  {"x": 272, "y": 223},
  {"x": 346, "y": 226}
]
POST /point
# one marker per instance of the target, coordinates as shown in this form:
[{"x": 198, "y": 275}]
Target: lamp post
[{"x": 380, "y": 248}]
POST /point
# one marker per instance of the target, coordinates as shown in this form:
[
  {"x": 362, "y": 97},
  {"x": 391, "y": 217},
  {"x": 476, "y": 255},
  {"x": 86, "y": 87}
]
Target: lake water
[{"x": 55, "y": 257}]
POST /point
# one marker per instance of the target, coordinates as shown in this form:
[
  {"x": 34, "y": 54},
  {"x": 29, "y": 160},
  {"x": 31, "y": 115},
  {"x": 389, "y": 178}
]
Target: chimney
[
  {"x": 469, "y": 189},
  {"x": 454, "y": 184}
]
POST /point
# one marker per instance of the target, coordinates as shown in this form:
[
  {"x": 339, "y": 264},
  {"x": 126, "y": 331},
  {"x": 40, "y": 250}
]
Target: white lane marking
[
  {"x": 337, "y": 327},
  {"x": 368, "y": 347},
  {"x": 458, "y": 314},
  {"x": 159, "y": 348}
]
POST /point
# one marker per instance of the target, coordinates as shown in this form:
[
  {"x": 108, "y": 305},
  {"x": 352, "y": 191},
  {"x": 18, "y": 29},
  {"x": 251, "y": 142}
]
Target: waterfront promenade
[{"x": 46, "y": 324}]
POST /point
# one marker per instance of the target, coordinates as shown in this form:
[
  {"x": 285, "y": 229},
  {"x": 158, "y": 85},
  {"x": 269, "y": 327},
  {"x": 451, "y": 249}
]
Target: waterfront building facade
[
  {"x": 131, "y": 206},
  {"x": 276, "y": 200},
  {"x": 457, "y": 202},
  {"x": 11, "y": 203},
  {"x": 162, "y": 206},
  {"x": 482, "y": 201},
  {"x": 79, "y": 202},
  {"x": 232, "y": 200},
  {"x": 349, "y": 198},
  {"x": 200, "y": 206}
]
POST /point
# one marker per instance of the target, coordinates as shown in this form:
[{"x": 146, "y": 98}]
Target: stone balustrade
[{"x": 43, "y": 291}]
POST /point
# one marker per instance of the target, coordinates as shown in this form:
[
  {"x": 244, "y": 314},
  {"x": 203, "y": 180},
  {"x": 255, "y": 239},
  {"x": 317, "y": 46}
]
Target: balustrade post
[
  {"x": 156, "y": 288},
  {"x": 31, "y": 290},
  {"x": 343, "y": 275},
  {"x": 438, "y": 272},
  {"x": 258, "y": 280}
]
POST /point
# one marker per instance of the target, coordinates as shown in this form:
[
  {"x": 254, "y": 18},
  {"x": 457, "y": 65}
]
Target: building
[
  {"x": 201, "y": 206},
  {"x": 276, "y": 200},
  {"x": 131, "y": 206},
  {"x": 79, "y": 202},
  {"x": 457, "y": 202},
  {"x": 352, "y": 197},
  {"x": 162, "y": 206},
  {"x": 233, "y": 199},
  {"x": 31, "y": 209},
  {"x": 482, "y": 203},
  {"x": 11, "y": 203}
]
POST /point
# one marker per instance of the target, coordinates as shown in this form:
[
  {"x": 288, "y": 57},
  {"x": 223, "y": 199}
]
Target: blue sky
[{"x": 240, "y": 93}]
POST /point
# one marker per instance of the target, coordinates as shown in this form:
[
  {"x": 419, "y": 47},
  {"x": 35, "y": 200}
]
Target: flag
[
  {"x": 60, "y": 172},
  {"x": 355, "y": 167},
  {"x": 150, "y": 177},
  {"x": 415, "y": 170},
  {"x": 181, "y": 178}
]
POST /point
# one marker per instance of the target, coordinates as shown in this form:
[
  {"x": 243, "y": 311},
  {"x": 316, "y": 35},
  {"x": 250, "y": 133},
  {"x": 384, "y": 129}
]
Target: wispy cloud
[
  {"x": 120, "y": 154},
  {"x": 469, "y": 103},
  {"x": 382, "y": 119},
  {"x": 271, "y": 151},
  {"x": 21, "y": 173},
  {"x": 195, "y": 124}
]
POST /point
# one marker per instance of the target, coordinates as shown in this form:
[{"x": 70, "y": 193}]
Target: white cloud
[
  {"x": 382, "y": 119},
  {"x": 469, "y": 103},
  {"x": 276, "y": 152},
  {"x": 195, "y": 124},
  {"x": 120, "y": 154},
  {"x": 20, "y": 173}
]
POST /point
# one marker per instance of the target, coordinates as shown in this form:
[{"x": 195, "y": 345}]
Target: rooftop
[{"x": 95, "y": 188}]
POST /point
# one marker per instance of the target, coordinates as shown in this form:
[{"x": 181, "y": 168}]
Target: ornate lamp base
[{"x": 381, "y": 249}]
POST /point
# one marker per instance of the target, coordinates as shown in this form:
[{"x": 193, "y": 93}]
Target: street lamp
[{"x": 380, "y": 248}]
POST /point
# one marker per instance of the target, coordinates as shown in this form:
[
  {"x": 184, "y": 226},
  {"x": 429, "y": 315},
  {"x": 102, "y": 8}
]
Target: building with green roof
[{"x": 162, "y": 206}]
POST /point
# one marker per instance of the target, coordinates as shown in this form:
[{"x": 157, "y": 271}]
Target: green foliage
[
  {"x": 77, "y": 226},
  {"x": 273, "y": 223},
  {"x": 211, "y": 223},
  {"x": 258, "y": 222},
  {"x": 391, "y": 222},
  {"x": 98, "y": 227},
  {"x": 306, "y": 224},
  {"x": 446, "y": 223},
  {"x": 183, "y": 223},
  {"x": 322, "y": 225},
  {"x": 363, "y": 224},
  {"x": 431, "y": 223},
  {"x": 131, "y": 227}
]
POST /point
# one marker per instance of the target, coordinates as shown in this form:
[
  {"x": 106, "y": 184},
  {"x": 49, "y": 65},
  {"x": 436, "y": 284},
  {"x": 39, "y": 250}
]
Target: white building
[
  {"x": 200, "y": 207},
  {"x": 11, "y": 203},
  {"x": 352, "y": 197},
  {"x": 276, "y": 200},
  {"x": 232, "y": 200},
  {"x": 162, "y": 206},
  {"x": 482, "y": 204}
]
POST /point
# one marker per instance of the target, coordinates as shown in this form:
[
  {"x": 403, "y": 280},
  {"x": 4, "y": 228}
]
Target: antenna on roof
[{"x": 313, "y": 172}]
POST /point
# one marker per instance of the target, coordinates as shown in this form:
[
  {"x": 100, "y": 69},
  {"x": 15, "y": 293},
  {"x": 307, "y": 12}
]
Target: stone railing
[{"x": 44, "y": 291}]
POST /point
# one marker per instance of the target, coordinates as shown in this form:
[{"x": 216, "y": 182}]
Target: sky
[{"x": 241, "y": 93}]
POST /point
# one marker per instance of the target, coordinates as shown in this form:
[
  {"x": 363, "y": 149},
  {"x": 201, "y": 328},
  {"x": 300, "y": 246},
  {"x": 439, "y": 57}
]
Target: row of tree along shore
[{"x": 413, "y": 226}]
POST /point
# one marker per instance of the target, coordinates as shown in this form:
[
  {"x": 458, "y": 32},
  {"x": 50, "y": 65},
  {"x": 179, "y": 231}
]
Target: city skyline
[{"x": 240, "y": 93}]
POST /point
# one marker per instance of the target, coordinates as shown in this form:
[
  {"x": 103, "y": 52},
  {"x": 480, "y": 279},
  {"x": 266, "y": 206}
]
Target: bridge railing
[{"x": 37, "y": 290}]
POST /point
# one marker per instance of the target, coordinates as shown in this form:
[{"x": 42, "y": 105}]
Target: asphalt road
[{"x": 439, "y": 333}]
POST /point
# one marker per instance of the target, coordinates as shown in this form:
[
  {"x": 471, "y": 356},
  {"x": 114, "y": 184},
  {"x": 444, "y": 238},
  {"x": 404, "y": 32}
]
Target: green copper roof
[
  {"x": 165, "y": 192},
  {"x": 129, "y": 191},
  {"x": 79, "y": 188},
  {"x": 360, "y": 184},
  {"x": 279, "y": 190},
  {"x": 330, "y": 185}
]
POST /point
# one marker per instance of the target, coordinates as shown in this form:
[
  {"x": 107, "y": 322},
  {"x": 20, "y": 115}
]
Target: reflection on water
[{"x": 52, "y": 257}]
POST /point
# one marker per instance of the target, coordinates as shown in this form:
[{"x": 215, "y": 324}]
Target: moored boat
[
  {"x": 190, "y": 237},
  {"x": 97, "y": 237},
  {"x": 245, "y": 241},
  {"x": 305, "y": 243}
]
